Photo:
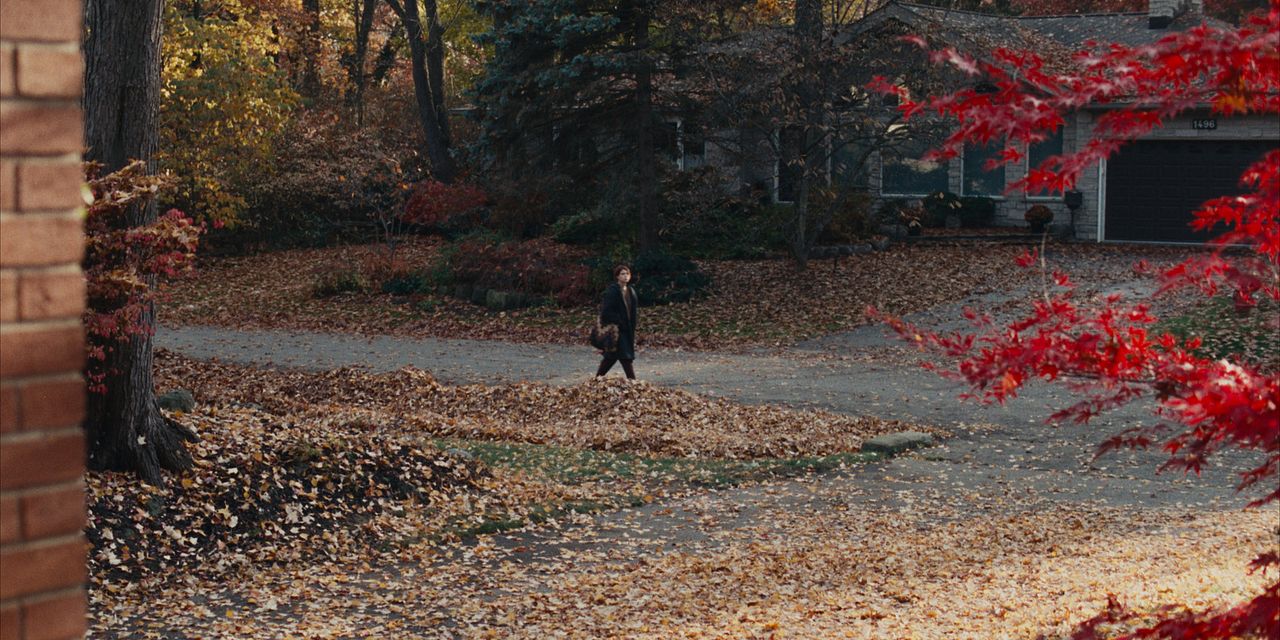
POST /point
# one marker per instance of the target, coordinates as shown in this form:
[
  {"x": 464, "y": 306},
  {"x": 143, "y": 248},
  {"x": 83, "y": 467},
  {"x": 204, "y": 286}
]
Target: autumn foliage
[
  {"x": 539, "y": 266},
  {"x": 436, "y": 204},
  {"x": 123, "y": 261},
  {"x": 1109, "y": 353}
]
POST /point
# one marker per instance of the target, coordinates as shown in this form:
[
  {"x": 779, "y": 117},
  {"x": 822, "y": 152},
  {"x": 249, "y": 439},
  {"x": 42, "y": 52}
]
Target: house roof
[{"x": 1046, "y": 34}]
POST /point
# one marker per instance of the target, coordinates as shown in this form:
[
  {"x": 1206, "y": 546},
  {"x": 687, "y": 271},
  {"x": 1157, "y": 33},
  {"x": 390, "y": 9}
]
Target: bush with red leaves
[
  {"x": 538, "y": 267},
  {"x": 438, "y": 205},
  {"x": 122, "y": 261}
]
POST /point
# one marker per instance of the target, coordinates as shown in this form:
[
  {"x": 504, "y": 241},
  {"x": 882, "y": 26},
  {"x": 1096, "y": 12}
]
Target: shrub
[
  {"x": 403, "y": 284},
  {"x": 534, "y": 267},
  {"x": 663, "y": 278},
  {"x": 586, "y": 227},
  {"x": 324, "y": 181},
  {"x": 337, "y": 282},
  {"x": 977, "y": 211},
  {"x": 1039, "y": 214},
  {"x": 523, "y": 207},
  {"x": 851, "y": 218},
  {"x": 938, "y": 205},
  {"x": 696, "y": 218},
  {"x": 890, "y": 210},
  {"x": 440, "y": 206},
  {"x": 122, "y": 262}
]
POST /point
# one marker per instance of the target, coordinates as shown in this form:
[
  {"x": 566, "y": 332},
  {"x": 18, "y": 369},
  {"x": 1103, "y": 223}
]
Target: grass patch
[
  {"x": 1252, "y": 338},
  {"x": 620, "y": 479},
  {"x": 571, "y": 466}
]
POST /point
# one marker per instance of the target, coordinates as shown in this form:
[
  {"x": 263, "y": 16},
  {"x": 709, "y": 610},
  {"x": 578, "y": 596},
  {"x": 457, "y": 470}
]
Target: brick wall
[{"x": 42, "y": 551}]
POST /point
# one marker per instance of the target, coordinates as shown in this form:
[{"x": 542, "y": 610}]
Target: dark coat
[{"x": 613, "y": 310}]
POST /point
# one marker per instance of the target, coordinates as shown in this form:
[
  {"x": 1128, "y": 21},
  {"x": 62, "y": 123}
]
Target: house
[{"x": 1144, "y": 193}]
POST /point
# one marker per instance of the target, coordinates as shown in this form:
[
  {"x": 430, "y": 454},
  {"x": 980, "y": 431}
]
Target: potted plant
[{"x": 1038, "y": 217}]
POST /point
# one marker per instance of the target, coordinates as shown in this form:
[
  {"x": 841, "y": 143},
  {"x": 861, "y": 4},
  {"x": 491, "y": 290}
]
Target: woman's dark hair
[{"x": 618, "y": 269}]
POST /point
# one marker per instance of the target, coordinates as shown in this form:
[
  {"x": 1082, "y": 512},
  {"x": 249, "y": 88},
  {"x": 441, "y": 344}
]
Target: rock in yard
[
  {"x": 895, "y": 443},
  {"x": 177, "y": 400},
  {"x": 461, "y": 454},
  {"x": 498, "y": 300}
]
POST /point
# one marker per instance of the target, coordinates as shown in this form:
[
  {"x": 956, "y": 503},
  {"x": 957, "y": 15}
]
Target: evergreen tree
[{"x": 571, "y": 93}]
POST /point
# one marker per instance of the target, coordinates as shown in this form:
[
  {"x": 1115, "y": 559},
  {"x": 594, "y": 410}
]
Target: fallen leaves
[
  {"x": 749, "y": 304},
  {"x": 603, "y": 414}
]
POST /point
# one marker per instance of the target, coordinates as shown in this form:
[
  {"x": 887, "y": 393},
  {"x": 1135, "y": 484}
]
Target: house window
[
  {"x": 693, "y": 145},
  {"x": 1041, "y": 151},
  {"x": 787, "y": 169},
  {"x": 666, "y": 141},
  {"x": 848, "y": 167},
  {"x": 978, "y": 180},
  {"x": 681, "y": 142},
  {"x": 904, "y": 172}
]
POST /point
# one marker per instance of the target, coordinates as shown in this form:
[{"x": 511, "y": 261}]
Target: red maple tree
[{"x": 1109, "y": 353}]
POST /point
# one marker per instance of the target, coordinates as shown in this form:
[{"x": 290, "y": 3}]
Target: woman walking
[{"x": 619, "y": 308}]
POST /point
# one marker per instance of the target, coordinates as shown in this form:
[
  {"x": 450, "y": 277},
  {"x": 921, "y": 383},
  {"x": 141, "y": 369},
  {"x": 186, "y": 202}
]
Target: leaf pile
[
  {"x": 943, "y": 566},
  {"x": 603, "y": 414},
  {"x": 749, "y": 303},
  {"x": 263, "y": 490}
]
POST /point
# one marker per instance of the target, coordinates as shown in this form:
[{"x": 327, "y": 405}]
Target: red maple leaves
[{"x": 1108, "y": 352}]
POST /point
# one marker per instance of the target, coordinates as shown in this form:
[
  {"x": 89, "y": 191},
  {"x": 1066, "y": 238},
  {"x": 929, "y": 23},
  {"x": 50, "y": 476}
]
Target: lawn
[{"x": 1250, "y": 336}]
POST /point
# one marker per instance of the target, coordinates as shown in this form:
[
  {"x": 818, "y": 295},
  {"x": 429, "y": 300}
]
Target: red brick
[
  {"x": 25, "y": 571},
  {"x": 49, "y": 73},
  {"x": 43, "y": 460},
  {"x": 56, "y": 618},
  {"x": 8, "y": 84},
  {"x": 41, "y": 20},
  {"x": 8, "y": 296},
  {"x": 28, "y": 352},
  {"x": 30, "y": 241},
  {"x": 10, "y": 522},
  {"x": 10, "y": 623},
  {"x": 51, "y": 513},
  {"x": 9, "y": 408},
  {"x": 40, "y": 129},
  {"x": 53, "y": 404},
  {"x": 8, "y": 186},
  {"x": 45, "y": 296},
  {"x": 46, "y": 186}
]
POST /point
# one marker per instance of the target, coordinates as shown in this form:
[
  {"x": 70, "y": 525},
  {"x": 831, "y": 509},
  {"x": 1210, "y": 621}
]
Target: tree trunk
[
  {"x": 311, "y": 49},
  {"x": 430, "y": 97},
  {"x": 808, "y": 26},
  {"x": 646, "y": 171},
  {"x": 125, "y": 428},
  {"x": 435, "y": 68},
  {"x": 363, "y": 12}
]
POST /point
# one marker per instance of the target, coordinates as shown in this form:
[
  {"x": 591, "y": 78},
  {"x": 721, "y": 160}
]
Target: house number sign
[{"x": 1204, "y": 123}]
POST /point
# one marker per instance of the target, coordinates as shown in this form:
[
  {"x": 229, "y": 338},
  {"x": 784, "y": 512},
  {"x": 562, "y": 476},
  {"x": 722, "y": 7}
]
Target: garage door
[{"x": 1154, "y": 186}]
